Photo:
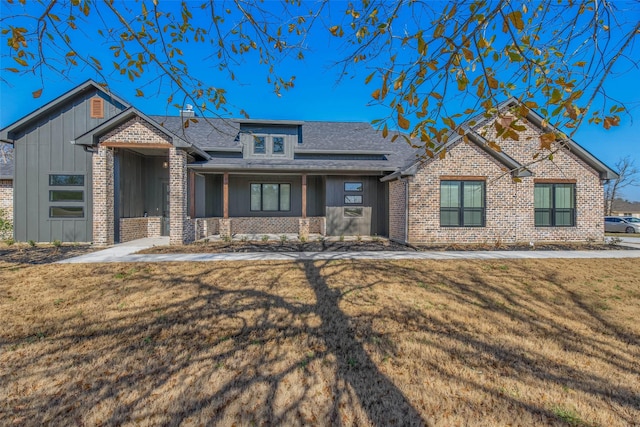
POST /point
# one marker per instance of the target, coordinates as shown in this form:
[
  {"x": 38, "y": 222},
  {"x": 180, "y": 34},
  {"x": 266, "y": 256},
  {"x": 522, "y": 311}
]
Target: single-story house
[
  {"x": 620, "y": 207},
  {"x": 89, "y": 166}
]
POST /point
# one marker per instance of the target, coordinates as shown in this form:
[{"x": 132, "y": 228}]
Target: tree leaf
[
  {"x": 37, "y": 93},
  {"x": 403, "y": 122}
]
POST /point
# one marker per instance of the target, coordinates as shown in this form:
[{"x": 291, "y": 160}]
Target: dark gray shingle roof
[{"x": 346, "y": 137}]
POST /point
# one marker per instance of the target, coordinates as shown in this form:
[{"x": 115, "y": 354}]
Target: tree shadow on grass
[{"x": 289, "y": 343}]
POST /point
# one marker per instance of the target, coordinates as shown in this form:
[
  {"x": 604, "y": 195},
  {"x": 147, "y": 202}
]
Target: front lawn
[{"x": 521, "y": 342}]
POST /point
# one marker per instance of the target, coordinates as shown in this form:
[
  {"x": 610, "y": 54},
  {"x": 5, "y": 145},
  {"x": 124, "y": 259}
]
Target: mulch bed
[
  {"x": 346, "y": 246},
  {"x": 21, "y": 254}
]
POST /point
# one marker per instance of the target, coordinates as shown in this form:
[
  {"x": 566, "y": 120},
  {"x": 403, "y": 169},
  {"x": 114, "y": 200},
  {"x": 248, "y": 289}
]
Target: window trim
[
  {"x": 461, "y": 209},
  {"x": 262, "y": 184},
  {"x": 553, "y": 210}
]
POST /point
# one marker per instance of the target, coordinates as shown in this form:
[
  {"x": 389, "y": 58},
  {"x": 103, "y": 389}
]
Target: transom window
[
  {"x": 462, "y": 203},
  {"x": 555, "y": 205},
  {"x": 270, "y": 197}
]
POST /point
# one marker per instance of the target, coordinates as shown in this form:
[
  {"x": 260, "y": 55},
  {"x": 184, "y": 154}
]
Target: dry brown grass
[{"x": 321, "y": 343}]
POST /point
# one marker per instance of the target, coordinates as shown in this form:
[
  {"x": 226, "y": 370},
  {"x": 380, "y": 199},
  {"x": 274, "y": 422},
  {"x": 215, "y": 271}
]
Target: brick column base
[
  {"x": 225, "y": 227},
  {"x": 303, "y": 224}
]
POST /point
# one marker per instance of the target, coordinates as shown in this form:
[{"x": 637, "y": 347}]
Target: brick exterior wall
[
  {"x": 303, "y": 228},
  {"x": 136, "y": 131},
  {"x": 205, "y": 227},
  {"x": 180, "y": 228},
  {"x": 397, "y": 215},
  {"x": 103, "y": 208},
  {"x": 317, "y": 225},
  {"x": 6, "y": 202},
  {"x": 509, "y": 205},
  {"x": 139, "y": 228},
  {"x": 265, "y": 225},
  {"x": 154, "y": 226},
  {"x": 133, "y": 228}
]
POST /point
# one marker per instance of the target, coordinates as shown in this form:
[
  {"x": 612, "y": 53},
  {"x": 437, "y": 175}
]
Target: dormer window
[
  {"x": 267, "y": 146},
  {"x": 259, "y": 145},
  {"x": 278, "y": 145}
]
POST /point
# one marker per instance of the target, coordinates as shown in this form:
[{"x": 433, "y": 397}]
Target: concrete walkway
[{"x": 126, "y": 252}]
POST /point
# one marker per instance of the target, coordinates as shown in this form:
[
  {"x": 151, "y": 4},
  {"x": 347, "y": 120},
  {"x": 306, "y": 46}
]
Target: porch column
[
  {"x": 225, "y": 222},
  {"x": 225, "y": 195},
  {"x": 177, "y": 196},
  {"x": 304, "y": 195},
  {"x": 103, "y": 193},
  {"x": 303, "y": 223}
]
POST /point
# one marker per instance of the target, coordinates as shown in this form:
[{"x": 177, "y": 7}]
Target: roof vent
[{"x": 187, "y": 111}]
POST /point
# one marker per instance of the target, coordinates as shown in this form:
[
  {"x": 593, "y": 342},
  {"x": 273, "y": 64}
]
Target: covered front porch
[{"x": 228, "y": 204}]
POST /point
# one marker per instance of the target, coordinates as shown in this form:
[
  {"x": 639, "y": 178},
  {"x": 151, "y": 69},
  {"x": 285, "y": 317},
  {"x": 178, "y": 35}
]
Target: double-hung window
[
  {"x": 462, "y": 203},
  {"x": 555, "y": 204},
  {"x": 270, "y": 197}
]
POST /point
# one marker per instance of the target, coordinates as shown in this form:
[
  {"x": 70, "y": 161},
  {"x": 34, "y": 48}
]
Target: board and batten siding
[
  {"x": 374, "y": 204},
  {"x": 45, "y": 148}
]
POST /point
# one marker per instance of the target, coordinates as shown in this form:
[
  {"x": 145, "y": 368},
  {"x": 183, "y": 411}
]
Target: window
[
  {"x": 462, "y": 203},
  {"x": 270, "y": 197},
  {"x": 66, "y": 196},
  {"x": 352, "y": 212},
  {"x": 353, "y": 199},
  {"x": 352, "y": 186},
  {"x": 66, "y": 212},
  {"x": 259, "y": 145},
  {"x": 71, "y": 180},
  {"x": 278, "y": 145},
  {"x": 555, "y": 205}
]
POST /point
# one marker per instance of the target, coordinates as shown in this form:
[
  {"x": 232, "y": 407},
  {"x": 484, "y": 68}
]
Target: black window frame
[
  {"x": 262, "y": 138},
  {"x": 262, "y": 184},
  {"x": 58, "y": 190},
  {"x": 52, "y": 207},
  {"x": 361, "y": 186},
  {"x": 553, "y": 210},
  {"x": 54, "y": 184},
  {"x": 353, "y": 203},
  {"x": 273, "y": 145},
  {"x": 460, "y": 209},
  {"x": 353, "y": 208}
]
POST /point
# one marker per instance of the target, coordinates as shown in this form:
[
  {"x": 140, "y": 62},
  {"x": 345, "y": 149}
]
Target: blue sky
[{"x": 318, "y": 95}]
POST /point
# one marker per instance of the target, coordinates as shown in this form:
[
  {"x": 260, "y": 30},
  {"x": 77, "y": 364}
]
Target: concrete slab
[
  {"x": 119, "y": 251},
  {"x": 123, "y": 256}
]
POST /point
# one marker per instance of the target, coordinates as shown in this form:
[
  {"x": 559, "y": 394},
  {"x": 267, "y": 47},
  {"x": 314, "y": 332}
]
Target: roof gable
[
  {"x": 48, "y": 108},
  {"x": 518, "y": 170}
]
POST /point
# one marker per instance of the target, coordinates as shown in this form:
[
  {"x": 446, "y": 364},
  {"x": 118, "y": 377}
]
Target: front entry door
[{"x": 164, "y": 227}]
